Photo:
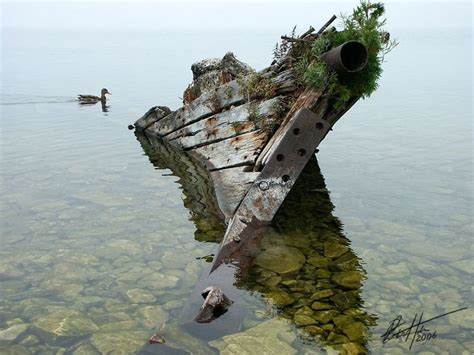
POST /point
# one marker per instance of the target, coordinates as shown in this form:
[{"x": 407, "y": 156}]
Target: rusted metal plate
[
  {"x": 309, "y": 99},
  {"x": 299, "y": 140},
  {"x": 236, "y": 151},
  {"x": 226, "y": 124}
]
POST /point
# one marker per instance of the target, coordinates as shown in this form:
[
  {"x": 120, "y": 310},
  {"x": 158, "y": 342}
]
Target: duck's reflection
[
  {"x": 103, "y": 104},
  {"x": 306, "y": 268}
]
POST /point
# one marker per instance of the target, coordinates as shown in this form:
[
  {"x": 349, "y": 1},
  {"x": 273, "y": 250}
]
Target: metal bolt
[{"x": 263, "y": 185}]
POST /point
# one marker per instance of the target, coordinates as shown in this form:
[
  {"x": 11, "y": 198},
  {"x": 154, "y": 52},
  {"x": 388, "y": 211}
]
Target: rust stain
[
  {"x": 211, "y": 121},
  {"x": 189, "y": 95},
  {"x": 235, "y": 140},
  {"x": 213, "y": 132},
  {"x": 224, "y": 77}
]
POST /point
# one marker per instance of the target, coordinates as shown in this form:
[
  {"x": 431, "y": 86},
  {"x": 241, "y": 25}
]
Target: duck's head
[{"x": 104, "y": 91}]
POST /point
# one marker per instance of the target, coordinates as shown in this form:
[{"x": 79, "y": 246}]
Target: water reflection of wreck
[{"x": 305, "y": 269}]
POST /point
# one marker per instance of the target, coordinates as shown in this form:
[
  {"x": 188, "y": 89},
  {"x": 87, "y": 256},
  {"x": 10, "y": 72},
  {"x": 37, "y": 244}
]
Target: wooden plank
[
  {"x": 230, "y": 186},
  {"x": 151, "y": 116},
  {"x": 213, "y": 102},
  {"x": 224, "y": 125},
  {"x": 240, "y": 150},
  {"x": 204, "y": 106}
]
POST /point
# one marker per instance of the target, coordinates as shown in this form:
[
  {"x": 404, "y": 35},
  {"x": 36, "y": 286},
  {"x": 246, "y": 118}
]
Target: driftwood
[{"x": 215, "y": 304}]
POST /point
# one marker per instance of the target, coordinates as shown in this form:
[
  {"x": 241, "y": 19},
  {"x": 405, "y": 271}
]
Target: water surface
[{"x": 103, "y": 245}]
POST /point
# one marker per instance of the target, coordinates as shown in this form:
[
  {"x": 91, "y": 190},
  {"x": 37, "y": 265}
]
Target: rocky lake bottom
[{"x": 96, "y": 283}]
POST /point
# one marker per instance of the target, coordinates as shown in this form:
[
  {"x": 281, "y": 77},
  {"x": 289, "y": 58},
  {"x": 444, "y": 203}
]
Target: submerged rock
[
  {"x": 65, "y": 323},
  {"x": 13, "y": 332},
  {"x": 152, "y": 317},
  {"x": 301, "y": 320},
  {"x": 282, "y": 260},
  {"x": 279, "y": 298},
  {"x": 463, "y": 319},
  {"x": 342, "y": 320},
  {"x": 30, "y": 340},
  {"x": 271, "y": 337},
  {"x": 322, "y": 294},
  {"x": 334, "y": 250},
  {"x": 318, "y": 261},
  {"x": 323, "y": 274},
  {"x": 118, "y": 326},
  {"x": 348, "y": 279},
  {"x": 314, "y": 329},
  {"x": 320, "y": 306},
  {"x": 346, "y": 300},
  {"x": 119, "y": 342},
  {"x": 140, "y": 296},
  {"x": 325, "y": 316},
  {"x": 355, "y": 331},
  {"x": 464, "y": 265},
  {"x": 85, "y": 349},
  {"x": 335, "y": 338},
  {"x": 353, "y": 348}
]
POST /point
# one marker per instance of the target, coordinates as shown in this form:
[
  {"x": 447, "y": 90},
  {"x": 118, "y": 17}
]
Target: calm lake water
[{"x": 102, "y": 246}]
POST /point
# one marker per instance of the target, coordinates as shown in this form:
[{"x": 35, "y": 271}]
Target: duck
[{"x": 91, "y": 99}]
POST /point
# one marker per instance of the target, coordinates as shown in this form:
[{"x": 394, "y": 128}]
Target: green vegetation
[
  {"x": 255, "y": 85},
  {"x": 260, "y": 121},
  {"x": 238, "y": 126},
  {"x": 277, "y": 109},
  {"x": 254, "y": 113},
  {"x": 365, "y": 25},
  {"x": 213, "y": 103}
]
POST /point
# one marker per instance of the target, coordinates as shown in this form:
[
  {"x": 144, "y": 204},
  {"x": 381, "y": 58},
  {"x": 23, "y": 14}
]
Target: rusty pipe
[{"x": 349, "y": 57}]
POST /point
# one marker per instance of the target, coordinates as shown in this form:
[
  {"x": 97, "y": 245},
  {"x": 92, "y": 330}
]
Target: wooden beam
[
  {"x": 236, "y": 151},
  {"x": 227, "y": 124}
]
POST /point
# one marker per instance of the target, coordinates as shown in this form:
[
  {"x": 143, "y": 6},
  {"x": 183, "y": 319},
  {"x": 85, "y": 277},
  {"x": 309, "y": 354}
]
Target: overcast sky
[{"x": 189, "y": 15}]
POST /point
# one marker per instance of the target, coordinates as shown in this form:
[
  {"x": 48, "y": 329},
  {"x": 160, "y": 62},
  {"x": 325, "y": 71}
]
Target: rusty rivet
[{"x": 263, "y": 185}]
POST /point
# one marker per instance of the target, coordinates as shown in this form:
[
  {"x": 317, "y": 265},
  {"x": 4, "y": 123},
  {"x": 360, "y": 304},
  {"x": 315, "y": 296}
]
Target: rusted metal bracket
[{"x": 287, "y": 159}]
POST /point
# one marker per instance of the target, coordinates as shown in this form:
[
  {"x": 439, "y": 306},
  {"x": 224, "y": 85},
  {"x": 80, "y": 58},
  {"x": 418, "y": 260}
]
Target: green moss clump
[
  {"x": 365, "y": 25},
  {"x": 255, "y": 85},
  {"x": 278, "y": 109}
]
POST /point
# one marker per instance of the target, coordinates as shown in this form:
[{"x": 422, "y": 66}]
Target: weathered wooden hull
[{"x": 254, "y": 143}]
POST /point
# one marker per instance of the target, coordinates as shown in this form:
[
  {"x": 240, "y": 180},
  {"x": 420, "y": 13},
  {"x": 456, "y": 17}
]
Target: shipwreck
[{"x": 249, "y": 135}]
